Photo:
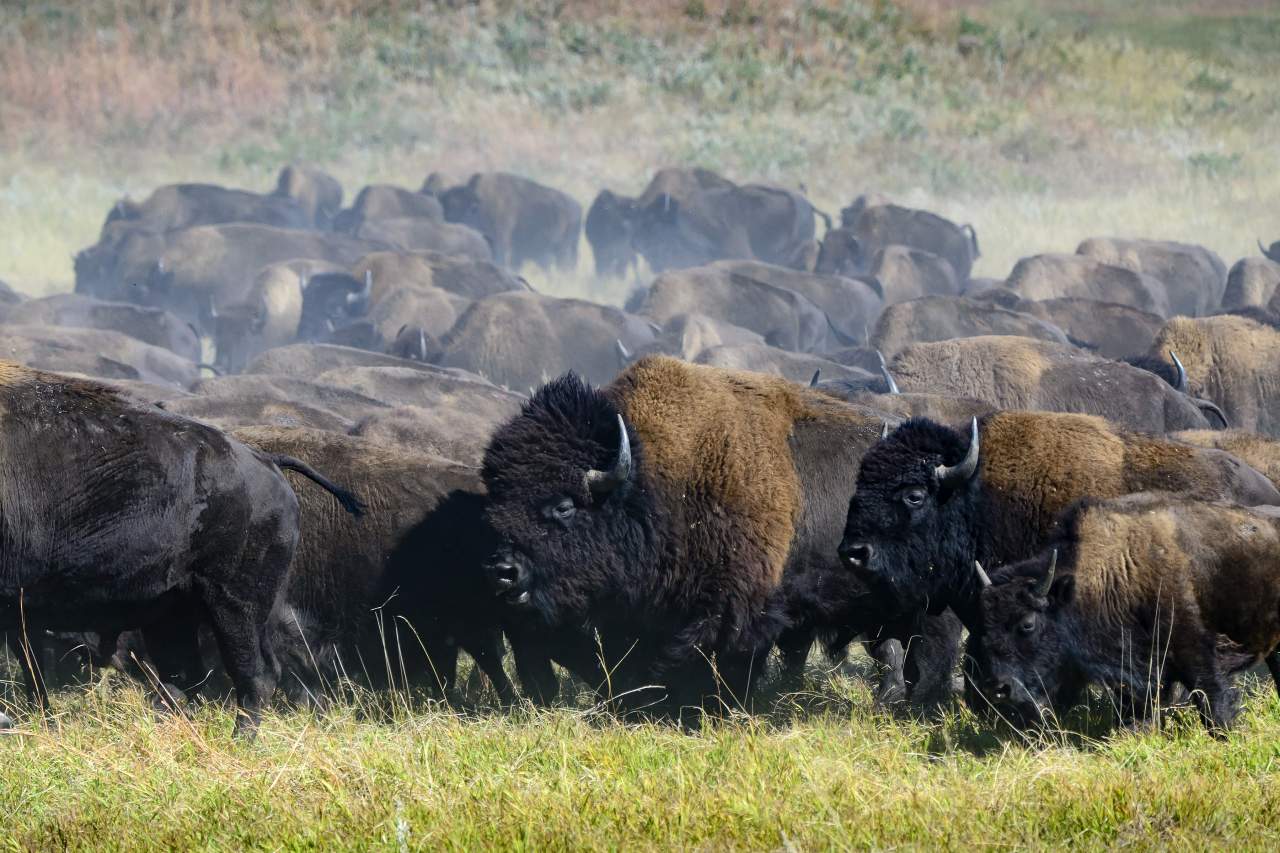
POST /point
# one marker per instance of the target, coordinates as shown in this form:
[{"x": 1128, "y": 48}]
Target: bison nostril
[
  {"x": 505, "y": 574},
  {"x": 1001, "y": 691},
  {"x": 858, "y": 556}
]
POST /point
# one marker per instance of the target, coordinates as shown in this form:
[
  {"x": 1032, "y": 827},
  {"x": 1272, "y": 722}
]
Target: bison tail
[{"x": 349, "y": 501}]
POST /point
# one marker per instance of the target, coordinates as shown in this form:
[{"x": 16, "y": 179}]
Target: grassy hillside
[{"x": 1041, "y": 123}]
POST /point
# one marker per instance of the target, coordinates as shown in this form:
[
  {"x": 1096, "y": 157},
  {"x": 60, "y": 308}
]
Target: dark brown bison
[
  {"x": 317, "y": 192},
  {"x": 176, "y": 206},
  {"x": 879, "y": 226},
  {"x": 931, "y": 499},
  {"x": 1194, "y": 277},
  {"x": 1251, "y": 282},
  {"x": 940, "y": 318},
  {"x": 1059, "y": 276},
  {"x": 750, "y": 222},
  {"x": 149, "y": 325},
  {"x": 426, "y": 235},
  {"x": 524, "y": 221},
  {"x": 392, "y": 595},
  {"x": 1021, "y": 373},
  {"x": 122, "y": 515},
  {"x": 611, "y": 222},
  {"x": 685, "y": 513},
  {"x": 382, "y": 201},
  {"x": 520, "y": 340},
  {"x": 784, "y": 318},
  {"x": 1108, "y": 329},
  {"x": 1232, "y": 361},
  {"x": 1136, "y": 594},
  {"x": 98, "y": 353}
]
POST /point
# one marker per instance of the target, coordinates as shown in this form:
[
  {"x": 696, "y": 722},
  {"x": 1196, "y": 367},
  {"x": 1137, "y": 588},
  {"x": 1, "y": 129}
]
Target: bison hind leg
[{"x": 1273, "y": 666}]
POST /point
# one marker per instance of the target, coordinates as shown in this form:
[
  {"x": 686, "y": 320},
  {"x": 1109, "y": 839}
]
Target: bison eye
[
  {"x": 913, "y": 497},
  {"x": 1028, "y": 625},
  {"x": 562, "y": 510}
]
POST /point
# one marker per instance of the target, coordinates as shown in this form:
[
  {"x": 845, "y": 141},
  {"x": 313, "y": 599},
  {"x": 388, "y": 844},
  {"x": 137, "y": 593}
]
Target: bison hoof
[
  {"x": 891, "y": 693},
  {"x": 5, "y": 723}
]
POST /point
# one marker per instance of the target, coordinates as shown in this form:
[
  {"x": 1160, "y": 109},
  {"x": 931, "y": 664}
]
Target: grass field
[
  {"x": 821, "y": 772},
  {"x": 1040, "y": 123}
]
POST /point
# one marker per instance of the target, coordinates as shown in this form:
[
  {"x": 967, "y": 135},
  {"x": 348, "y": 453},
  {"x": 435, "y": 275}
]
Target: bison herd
[{"x": 789, "y": 437}]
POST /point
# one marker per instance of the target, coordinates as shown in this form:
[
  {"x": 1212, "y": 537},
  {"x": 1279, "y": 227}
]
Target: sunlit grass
[{"x": 112, "y": 772}]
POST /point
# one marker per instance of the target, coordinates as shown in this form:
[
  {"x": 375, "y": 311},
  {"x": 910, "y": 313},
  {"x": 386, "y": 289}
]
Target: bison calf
[{"x": 1136, "y": 594}]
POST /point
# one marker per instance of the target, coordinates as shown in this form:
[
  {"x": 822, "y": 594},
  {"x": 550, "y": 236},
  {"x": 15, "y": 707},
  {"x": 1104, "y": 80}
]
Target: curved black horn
[
  {"x": 813, "y": 381},
  {"x": 888, "y": 377},
  {"x": 1211, "y": 408},
  {"x": 955, "y": 475},
  {"x": 1042, "y": 588},
  {"x": 983, "y": 579},
  {"x": 1262, "y": 249},
  {"x": 1182, "y": 372},
  {"x": 601, "y": 483}
]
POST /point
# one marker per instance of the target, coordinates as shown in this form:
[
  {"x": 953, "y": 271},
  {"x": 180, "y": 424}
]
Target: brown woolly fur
[
  {"x": 1231, "y": 360},
  {"x": 18, "y": 378},
  {"x": 1259, "y": 451},
  {"x": 1050, "y": 460},
  {"x": 1150, "y": 588},
  {"x": 723, "y": 435}
]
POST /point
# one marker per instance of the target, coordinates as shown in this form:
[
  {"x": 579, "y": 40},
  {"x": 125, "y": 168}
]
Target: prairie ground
[{"x": 821, "y": 771}]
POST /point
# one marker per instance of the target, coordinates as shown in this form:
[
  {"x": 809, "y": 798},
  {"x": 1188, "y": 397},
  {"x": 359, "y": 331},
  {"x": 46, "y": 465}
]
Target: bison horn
[
  {"x": 1042, "y": 588},
  {"x": 422, "y": 345},
  {"x": 1182, "y": 372},
  {"x": 888, "y": 377},
  {"x": 1208, "y": 407},
  {"x": 362, "y": 295},
  {"x": 884, "y": 431},
  {"x": 983, "y": 579},
  {"x": 623, "y": 353},
  {"x": 1262, "y": 249},
  {"x": 955, "y": 475},
  {"x": 601, "y": 483},
  {"x": 813, "y": 380}
]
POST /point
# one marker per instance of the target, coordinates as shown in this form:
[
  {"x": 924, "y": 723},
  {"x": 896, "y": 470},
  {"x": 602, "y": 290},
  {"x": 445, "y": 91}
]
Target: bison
[
  {"x": 317, "y": 192},
  {"x": 611, "y": 221},
  {"x": 1021, "y": 373},
  {"x": 522, "y": 220},
  {"x": 1135, "y": 594},
  {"x": 681, "y": 512},
  {"x": 930, "y": 499},
  {"x": 119, "y": 515},
  {"x": 1230, "y": 360}
]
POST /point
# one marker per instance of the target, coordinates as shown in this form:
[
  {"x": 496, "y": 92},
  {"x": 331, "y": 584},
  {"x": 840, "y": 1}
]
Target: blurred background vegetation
[{"x": 1041, "y": 123}]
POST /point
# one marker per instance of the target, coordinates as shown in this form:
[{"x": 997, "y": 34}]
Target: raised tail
[{"x": 349, "y": 501}]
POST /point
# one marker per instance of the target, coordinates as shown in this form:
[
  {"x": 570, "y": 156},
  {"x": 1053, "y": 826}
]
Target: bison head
[
  {"x": 330, "y": 301},
  {"x": 567, "y": 501},
  {"x": 1023, "y": 643},
  {"x": 608, "y": 226},
  {"x": 910, "y": 520}
]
